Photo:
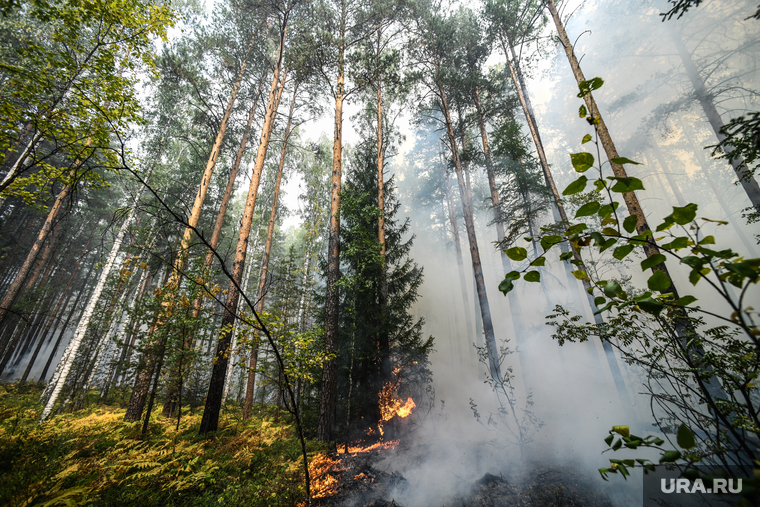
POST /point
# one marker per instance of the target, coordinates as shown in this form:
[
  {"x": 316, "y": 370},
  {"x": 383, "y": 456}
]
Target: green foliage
[
  {"x": 65, "y": 94},
  {"x": 92, "y": 457},
  {"x": 702, "y": 380}
]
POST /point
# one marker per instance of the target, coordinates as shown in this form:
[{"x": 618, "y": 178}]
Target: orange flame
[
  {"x": 356, "y": 449},
  {"x": 321, "y": 470},
  {"x": 391, "y": 406}
]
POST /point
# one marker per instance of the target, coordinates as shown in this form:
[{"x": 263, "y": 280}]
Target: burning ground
[{"x": 419, "y": 458}]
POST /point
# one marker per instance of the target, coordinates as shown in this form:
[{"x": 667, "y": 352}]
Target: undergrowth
[{"x": 91, "y": 457}]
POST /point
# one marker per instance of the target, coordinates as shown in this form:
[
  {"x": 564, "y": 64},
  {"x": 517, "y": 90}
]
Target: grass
[{"x": 91, "y": 457}]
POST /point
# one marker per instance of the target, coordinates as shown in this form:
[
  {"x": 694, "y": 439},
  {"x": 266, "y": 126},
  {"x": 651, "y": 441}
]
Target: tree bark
[
  {"x": 210, "y": 419},
  {"x": 172, "y": 394},
  {"x": 631, "y": 201},
  {"x": 62, "y": 302},
  {"x": 81, "y": 292},
  {"x": 18, "y": 281},
  {"x": 458, "y": 247},
  {"x": 328, "y": 396},
  {"x": 382, "y": 300},
  {"x": 265, "y": 260},
  {"x": 494, "y": 365},
  {"x": 700, "y": 154},
  {"x": 200, "y": 196}
]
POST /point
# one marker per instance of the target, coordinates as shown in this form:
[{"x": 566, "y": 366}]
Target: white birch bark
[
  {"x": 120, "y": 338},
  {"x": 84, "y": 322}
]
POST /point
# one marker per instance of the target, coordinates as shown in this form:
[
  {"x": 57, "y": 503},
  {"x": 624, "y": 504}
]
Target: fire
[
  {"x": 391, "y": 406},
  {"x": 356, "y": 449},
  {"x": 322, "y": 472},
  {"x": 325, "y": 470}
]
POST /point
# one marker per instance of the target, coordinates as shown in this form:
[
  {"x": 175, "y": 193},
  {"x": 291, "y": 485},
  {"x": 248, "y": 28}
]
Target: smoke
[{"x": 649, "y": 106}]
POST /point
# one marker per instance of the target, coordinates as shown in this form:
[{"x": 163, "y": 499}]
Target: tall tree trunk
[
  {"x": 630, "y": 199},
  {"x": 69, "y": 317},
  {"x": 18, "y": 281},
  {"x": 120, "y": 353},
  {"x": 172, "y": 394},
  {"x": 705, "y": 99},
  {"x": 265, "y": 259},
  {"x": 210, "y": 419},
  {"x": 129, "y": 334},
  {"x": 62, "y": 302},
  {"x": 382, "y": 300},
  {"x": 328, "y": 396},
  {"x": 460, "y": 260},
  {"x": 200, "y": 196},
  {"x": 514, "y": 300},
  {"x": 494, "y": 365},
  {"x": 53, "y": 389},
  {"x": 145, "y": 370},
  {"x": 668, "y": 176}
]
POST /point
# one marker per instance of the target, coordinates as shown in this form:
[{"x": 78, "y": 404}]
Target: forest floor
[{"x": 91, "y": 457}]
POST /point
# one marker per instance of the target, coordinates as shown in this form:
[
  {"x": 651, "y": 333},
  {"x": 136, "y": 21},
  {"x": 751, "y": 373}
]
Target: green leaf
[
  {"x": 695, "y": 276},
  {"x": 609, "y": 439},
  {"x": 707, "y": 240},
  {"x": 582, "y": 161},
  {"x": 652, "y": 261},
  {"x": 666, "y": 224},
  {"x": 575, "y": 229},
  {"x": 583, "y": 112},
  {"x": 609, "y": 231},
  {"x": 548, "y": 241},
  {"x": 588, "y": 209},
  {"x": 650, "y": 305},
  {"x": 600, "y": 185},
  {"x": 532, "y": 276},
  {"x": 538, "y": 262},
  {"x": 693, "y": 261},
  {"x": 677, "y": 244},
  {"x": 723, "y": 254},
  {"x": 686, "y": 300},
  {"x": 670, "y": 457},
  {"x": 565, "y": 256},
  {"x": 506, "y": 285},
  {"x": 576, "y": 186},
  {"x": 743, "y": 269},
  {"x": 599, "y": 301},
  {"x": 659, "y": 281},
  {"x": 612, "y": 289},
  {"x": 684, "y": 215},
  {"x": 587, "y": 138},
  {"x": 590, "y": 85},
  {"x": 607, "y": 244},
  {"x": 623, "y": 160},
  {"x": 641, "y": 239},
  {"x": 621, "y": 251},
  {"x": 629, "y": 224},
  {"x": 516, "y": 253},
  {"x": 608, "y": 209},
  {"x": 580, "y": 274},
  {"x": 628, "y": 184}
]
